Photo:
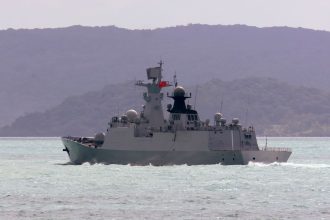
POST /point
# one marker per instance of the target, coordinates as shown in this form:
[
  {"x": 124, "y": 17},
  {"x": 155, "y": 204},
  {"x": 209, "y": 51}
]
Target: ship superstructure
[{"x": 148, "y": 138}]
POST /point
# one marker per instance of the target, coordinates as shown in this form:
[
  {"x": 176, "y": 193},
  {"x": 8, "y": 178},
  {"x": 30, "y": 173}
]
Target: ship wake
[{"x": 293, "y": 165}]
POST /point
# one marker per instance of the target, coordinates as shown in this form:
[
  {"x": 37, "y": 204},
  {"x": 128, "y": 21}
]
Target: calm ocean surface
[{"x": 36, "y": 183}]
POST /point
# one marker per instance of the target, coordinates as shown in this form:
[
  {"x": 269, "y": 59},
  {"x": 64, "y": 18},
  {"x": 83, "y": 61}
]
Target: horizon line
[{"x": 158, "y": 28}]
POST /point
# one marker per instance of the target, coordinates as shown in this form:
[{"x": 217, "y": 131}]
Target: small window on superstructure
[
  {"x": 114, "y": 119},
  {"x": 176, "y": 117}
]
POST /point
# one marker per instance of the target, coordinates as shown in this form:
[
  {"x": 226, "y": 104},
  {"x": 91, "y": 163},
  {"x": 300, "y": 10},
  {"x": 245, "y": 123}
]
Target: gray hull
[{"x": 80, "y": 153}]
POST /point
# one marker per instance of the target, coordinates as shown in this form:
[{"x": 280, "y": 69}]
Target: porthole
[{"x": 254, "y": 158}]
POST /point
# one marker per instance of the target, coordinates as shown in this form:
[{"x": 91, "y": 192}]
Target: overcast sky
[{"x": 146, "y": 14}]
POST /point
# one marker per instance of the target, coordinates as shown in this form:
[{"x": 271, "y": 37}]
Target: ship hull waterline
[{"x": 80, "y": 153}]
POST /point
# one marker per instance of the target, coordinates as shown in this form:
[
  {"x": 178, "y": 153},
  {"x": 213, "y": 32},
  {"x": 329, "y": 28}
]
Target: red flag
[{"x": 163, "y": 84}]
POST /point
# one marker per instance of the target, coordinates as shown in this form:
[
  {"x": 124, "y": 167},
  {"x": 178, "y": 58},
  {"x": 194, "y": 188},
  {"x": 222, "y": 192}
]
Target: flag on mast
[{"x": 163, "y": 84}]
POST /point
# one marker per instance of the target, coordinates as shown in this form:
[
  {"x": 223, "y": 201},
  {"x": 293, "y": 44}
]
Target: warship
[{"x": 146, "y": 137}]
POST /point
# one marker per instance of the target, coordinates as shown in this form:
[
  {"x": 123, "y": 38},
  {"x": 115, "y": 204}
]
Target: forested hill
[
  {"x": 274, "y": 108},
  {"x": 40, "y": 68}
]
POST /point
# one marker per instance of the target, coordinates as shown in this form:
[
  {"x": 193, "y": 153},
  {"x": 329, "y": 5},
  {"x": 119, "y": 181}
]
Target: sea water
[{"x": 37, "y": 183}]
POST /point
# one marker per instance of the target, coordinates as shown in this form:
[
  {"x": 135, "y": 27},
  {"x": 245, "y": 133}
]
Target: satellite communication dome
[
  {"x": 217, "y": 117},
  {"x": 223, "y": 121},
  {"x": 99, "y": 138},
  {"x": 132, "y": 115},
  {"x": 179, "y": 91},
  {"x": 235, "y": 121}
]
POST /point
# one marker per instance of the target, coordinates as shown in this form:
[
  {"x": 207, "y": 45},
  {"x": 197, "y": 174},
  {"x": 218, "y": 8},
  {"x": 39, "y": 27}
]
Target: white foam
[
  {"x": 312, "y": 165},
  {"x": 295, "y": 165}
]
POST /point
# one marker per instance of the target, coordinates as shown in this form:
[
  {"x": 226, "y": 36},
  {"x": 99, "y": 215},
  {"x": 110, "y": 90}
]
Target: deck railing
[{"x": 276, "y": 149}]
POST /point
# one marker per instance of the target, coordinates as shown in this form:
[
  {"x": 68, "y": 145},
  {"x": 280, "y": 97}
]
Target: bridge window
[
  {"x": 176, "y": 117},
  {"x": 248, "y": 136},
  {"x": 192, "y": 118},
  {"x": 114, "y": 119}
]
